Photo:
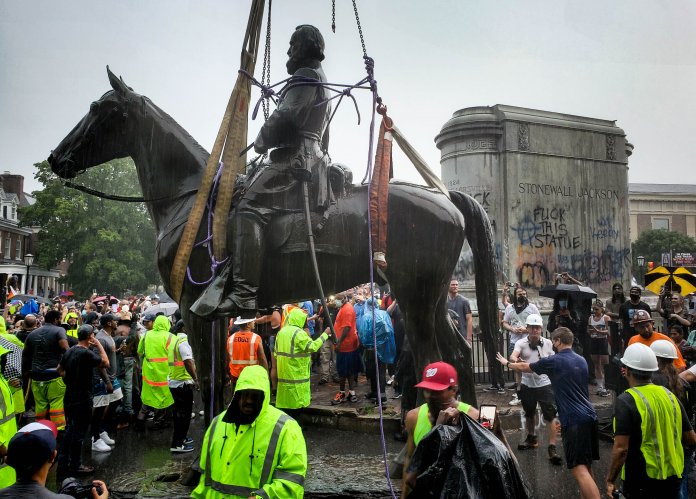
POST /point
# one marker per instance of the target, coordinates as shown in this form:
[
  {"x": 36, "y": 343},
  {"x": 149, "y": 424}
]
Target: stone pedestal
[{"x": 555, "y": 187}]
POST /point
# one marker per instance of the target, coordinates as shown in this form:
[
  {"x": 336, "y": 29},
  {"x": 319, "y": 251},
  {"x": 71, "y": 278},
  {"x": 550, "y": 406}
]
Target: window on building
[
  {"x": 660, "y": 223},
  {"x": 14, "y": 212},
  {"x": 8, "y": 243},
  {"x": 18, "y": 249},
  {"x": 4, "y": 212}
]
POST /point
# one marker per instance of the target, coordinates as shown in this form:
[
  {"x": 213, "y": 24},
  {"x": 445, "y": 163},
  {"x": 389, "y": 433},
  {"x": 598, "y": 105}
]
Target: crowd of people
[
  {"x": 103, "y": 366},
  {"x": 653, "y": 433}
]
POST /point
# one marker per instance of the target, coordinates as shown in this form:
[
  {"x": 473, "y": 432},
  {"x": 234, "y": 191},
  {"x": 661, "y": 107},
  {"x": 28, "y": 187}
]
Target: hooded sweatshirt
[
  {"x": 234, "y": 461},
  {"x": 293, "y": 353}
]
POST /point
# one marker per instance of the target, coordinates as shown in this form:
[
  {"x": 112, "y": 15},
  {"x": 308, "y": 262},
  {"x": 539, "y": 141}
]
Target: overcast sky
[{"x": 626, "y": 60}]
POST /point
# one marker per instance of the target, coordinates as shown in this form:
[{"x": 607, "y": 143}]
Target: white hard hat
[
  {"x": 664, "y": 349},
  {"x": 534, "y": 320},
  {"x": 640, "y": 358}
]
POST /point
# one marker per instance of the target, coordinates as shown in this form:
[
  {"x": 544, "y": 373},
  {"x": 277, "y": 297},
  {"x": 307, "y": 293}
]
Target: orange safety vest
[{"x": 242, "y": 347}]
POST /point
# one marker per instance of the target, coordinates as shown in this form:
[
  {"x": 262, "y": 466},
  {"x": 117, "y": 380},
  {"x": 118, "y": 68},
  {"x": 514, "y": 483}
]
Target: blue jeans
[
  {"x": 688, "y": 462},
  {"x": 127, "y": 385}
]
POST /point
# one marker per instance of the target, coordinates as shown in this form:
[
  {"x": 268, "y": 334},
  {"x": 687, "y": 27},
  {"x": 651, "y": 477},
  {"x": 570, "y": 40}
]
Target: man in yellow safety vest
[
  {"x": 651, "y": 429},
  {"x": 252, "y": 449}
]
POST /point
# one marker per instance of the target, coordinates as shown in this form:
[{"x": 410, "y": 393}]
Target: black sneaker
[
  {"x": 554, "y": 457},
  {"x": 531, "y": 442},
  {"x": 493, "y": 388}
]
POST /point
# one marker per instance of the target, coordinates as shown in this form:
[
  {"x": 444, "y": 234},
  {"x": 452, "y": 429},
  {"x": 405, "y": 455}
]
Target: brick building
[
  {"x": 16, "y": 242},
  {"x": 662, "y": 206}
]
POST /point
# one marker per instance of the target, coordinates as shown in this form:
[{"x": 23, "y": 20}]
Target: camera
[{"x": 72, "y": 487}]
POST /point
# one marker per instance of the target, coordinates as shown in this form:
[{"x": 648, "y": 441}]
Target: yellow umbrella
[{"x": 673, "y": 278}]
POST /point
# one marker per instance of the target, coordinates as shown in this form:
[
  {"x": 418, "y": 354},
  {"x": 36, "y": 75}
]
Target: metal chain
[
  {"x": 266, "y": 70},
  {"x": 357, "y": 20},
  {"x": 333, "y": 15}
]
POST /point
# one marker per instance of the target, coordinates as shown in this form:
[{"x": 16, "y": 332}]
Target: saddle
[{"x": 287, "y": 233}]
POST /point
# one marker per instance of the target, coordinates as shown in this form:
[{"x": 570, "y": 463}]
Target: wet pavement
[{"x": 342, "y": 464}]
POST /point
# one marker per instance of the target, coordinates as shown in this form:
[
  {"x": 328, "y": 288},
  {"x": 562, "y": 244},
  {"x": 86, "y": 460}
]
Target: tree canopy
[
  {"x": 110, "y": 245},
  {"x": 652, "y": 243}
]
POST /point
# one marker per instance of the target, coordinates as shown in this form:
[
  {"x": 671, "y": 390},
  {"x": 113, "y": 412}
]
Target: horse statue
[{"x": 426, "y": 232}]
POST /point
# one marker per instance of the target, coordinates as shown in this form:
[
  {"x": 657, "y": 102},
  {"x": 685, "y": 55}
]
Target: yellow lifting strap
[{"x": 230, "y": 140}]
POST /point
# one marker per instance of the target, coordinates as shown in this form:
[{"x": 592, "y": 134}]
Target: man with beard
[
  {"x": 628, "y": 310},
  {"x": 440, "y": 386},
  {"x": 461, "y": 306},
  {"x": 643, "y": 324},
  {"x": 514, "y": 321},
  {"x": 252, "y": 449},
  {"x": 297, "y": 136}
]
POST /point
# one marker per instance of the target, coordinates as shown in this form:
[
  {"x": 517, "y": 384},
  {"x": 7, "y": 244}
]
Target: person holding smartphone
[{"x": 440, "y": 387}]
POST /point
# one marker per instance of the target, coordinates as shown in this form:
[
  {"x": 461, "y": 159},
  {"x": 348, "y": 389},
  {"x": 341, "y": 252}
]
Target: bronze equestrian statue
[
  {"x": 297, "y": 134},
  {"x": 426, "y": 231}
]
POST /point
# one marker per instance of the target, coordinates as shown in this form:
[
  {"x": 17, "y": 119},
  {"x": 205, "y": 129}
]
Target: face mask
[
  {"x": 635, "y": 297},
  {"x": 563, "y": 303},
  {"x": 521, "y": 299}
]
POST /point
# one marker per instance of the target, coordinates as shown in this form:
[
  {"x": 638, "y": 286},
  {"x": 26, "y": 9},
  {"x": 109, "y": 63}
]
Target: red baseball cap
[{"x": 438, "y": 376}]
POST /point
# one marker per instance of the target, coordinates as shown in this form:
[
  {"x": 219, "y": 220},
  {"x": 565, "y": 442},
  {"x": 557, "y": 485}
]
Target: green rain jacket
[
  {"x": 267, "y": 458},
  {"x": 293, "y": 352},
  {"x": 9, "y": 336},
  {"x": 154, "y": 350}
]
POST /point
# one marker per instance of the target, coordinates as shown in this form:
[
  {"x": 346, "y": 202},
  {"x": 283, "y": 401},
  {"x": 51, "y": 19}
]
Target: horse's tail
[{"x": 479, "y": 234}]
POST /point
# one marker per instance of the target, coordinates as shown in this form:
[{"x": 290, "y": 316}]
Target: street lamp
[
  {"x": 640, "y": 259},
  {"x": 28, "y": 261}
]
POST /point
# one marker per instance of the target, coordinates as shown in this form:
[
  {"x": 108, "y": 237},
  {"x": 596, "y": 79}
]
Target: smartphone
[{"x": 487, "y": 415}]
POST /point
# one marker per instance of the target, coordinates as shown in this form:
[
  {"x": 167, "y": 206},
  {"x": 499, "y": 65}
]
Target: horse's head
[{"x": 98, "y": 137}]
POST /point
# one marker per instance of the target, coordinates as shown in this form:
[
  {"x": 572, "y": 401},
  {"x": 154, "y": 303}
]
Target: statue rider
[{"x": 297, "y": 136}]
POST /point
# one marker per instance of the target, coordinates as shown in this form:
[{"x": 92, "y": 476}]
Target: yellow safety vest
[
  {"x": 177, "y": 370},
  {"x": 267, "y": 458},
  {"x": 661, "y": 428},
  {"x": 293, "y": 352},
  {"x": 423, "y": 425}
]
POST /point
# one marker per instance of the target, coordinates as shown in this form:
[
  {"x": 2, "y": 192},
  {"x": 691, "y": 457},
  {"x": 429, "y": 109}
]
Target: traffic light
[{"x": 651, "y": 266}]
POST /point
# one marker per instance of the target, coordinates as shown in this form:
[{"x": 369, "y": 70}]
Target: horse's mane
[{"x": 168, "y": 120}]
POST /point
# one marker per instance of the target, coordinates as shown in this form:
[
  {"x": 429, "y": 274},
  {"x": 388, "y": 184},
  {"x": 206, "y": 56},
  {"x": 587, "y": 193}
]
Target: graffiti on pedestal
[{"x": 547, "y": 245}]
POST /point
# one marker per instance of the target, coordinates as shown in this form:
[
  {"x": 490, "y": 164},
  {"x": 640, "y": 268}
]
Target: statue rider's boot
[{"x": 246, "y": 266}]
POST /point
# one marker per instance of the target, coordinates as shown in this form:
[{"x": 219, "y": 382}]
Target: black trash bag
[{"x": 466, "y": 461}]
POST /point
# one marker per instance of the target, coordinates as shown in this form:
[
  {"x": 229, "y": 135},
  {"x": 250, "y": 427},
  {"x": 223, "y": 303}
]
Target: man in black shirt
[
  {"x": 628, "y": 309},
  {"x": 42, "y": 352},
  {"x": 28, "y": 325},
  {"x": 76, "y": 369}
]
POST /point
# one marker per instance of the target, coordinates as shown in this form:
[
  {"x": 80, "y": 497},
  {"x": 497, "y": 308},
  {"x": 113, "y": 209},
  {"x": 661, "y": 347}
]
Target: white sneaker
[
  {"x": 107, "y": 439},
  {"x": 100, "y": 446},
  {"x": 515, "y": 400}
]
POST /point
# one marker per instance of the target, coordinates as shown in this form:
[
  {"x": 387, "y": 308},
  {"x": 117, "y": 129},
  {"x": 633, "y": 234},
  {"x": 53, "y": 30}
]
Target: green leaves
[
  {"x": 110, "y": 245},
  {"x": 652, "y": 243}
]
